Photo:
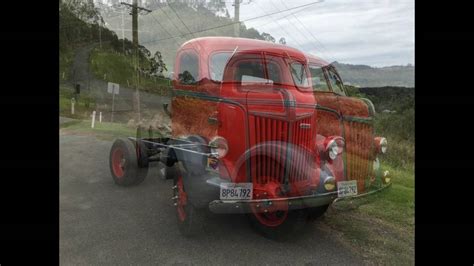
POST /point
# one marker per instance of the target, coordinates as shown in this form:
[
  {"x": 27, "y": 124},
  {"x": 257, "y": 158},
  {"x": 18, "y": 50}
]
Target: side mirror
[{"x": 165, "y": 108}]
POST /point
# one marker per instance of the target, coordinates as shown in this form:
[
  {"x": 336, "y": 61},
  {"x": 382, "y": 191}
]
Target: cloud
[{"x": 377, "y": 33}]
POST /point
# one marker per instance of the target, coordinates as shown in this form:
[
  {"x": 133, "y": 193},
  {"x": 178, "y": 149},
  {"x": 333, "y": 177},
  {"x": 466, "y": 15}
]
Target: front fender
[{"x": 285, "y": 156}]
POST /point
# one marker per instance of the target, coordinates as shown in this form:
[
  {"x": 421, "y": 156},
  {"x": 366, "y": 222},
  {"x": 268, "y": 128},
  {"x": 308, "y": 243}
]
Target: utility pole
[
  {"x": 123, "y": 35},
  {"x": 100, "y": 36},
  {"x": 236, "y": 18},
  {"x": 134, "y": 14}
]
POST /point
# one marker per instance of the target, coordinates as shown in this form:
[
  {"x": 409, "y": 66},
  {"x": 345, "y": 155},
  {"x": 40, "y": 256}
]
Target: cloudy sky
[{"x": 371, "y": 32}]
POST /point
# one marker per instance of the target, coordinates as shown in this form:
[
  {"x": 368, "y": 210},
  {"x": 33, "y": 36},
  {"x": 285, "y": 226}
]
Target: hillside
[
  {"x": 367, "y": 76},
  {"x": 158, "y": 28}
]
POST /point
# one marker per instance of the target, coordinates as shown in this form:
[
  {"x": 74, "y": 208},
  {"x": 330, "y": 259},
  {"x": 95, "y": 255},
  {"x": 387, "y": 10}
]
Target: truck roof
[
  {"x": 316, "y": 60},
  {"x": 210, "y": 44}
]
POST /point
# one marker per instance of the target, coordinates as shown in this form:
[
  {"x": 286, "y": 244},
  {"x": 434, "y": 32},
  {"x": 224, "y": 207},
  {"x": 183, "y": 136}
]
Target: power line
[
  {"x": 171, "y": 21},
  {"x": 280, "y": 18},
  {"x": 307, "y": 30},
  {"x": 179, "y": 18},
  {"x": 230, "y": 24},
  {"x": 164, "y": 28},
  {"x": 281, "y": 27},
  {"x": 299, "y": 31}
]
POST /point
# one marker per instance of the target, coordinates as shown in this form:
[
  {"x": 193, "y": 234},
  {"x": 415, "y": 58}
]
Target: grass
[
  {"x": 117, "y": 68},
  {"x": 66, "y": 57},
  {"x": 83, "y": 107},
  {"x": 379, "y": 227}
]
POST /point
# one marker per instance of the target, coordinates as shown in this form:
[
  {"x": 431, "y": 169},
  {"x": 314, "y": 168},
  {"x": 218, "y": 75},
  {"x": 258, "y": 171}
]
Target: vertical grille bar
[{"x": 257, "y": 138}]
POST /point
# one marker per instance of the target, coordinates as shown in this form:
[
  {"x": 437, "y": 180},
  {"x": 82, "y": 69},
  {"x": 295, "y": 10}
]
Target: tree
[
  {"x": 282, "y": 41},
  {"x": 267, "y": 37},
  {"x": 157, "y": 65}
]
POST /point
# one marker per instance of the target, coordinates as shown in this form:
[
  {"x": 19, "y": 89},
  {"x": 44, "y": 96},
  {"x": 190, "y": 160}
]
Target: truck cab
[{"x": 262, "y": 129}]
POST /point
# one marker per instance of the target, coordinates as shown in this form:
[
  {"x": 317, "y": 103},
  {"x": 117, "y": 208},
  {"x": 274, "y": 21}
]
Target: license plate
[
  {"x": 236, "y": 191},
  {"x": 346, "y": 188}
]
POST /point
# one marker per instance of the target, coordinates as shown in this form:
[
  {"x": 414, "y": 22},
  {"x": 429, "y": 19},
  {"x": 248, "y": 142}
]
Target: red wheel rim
[
  {"x": 118, "y": 162},
  {"x": 273, "y": 214},
  {"x": 182, "y": 200},
  {"x": 271, "y": 219}
]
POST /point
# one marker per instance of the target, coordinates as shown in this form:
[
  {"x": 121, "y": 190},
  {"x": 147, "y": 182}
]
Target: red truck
[{"x": 258, "y": 128}]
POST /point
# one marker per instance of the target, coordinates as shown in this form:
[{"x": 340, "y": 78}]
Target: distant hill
[{"x": 367, "y": 76}]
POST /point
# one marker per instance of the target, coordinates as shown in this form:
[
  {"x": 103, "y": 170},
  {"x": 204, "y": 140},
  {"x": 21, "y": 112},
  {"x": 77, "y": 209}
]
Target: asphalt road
[{"x": 103, "y": 224}]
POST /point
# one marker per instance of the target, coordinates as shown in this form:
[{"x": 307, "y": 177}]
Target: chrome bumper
[
  {"x": 294, "y": 203},
  {"x": 365, "y": 194}
]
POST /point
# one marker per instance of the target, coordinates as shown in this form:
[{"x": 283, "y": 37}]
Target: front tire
[
  {"x": 313, "y": 214},
  {"x": 190, "y": 219},
  {"x": 293, "y": 223},
  {"x": 123, "y": 163}
]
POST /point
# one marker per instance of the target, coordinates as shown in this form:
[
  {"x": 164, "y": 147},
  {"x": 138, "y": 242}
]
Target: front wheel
[
  {"x": 189, "y": 218},
  {"x": 278, "y": 226},
  {"x": 274, "y": 219},
  {"x": 314, "y": 213}
]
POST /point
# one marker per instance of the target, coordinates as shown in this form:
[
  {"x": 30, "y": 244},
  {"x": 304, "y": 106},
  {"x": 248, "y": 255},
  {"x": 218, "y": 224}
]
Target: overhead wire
[
  {"x": 312, "y": 35},
  {"x": 229, "y": 24}
]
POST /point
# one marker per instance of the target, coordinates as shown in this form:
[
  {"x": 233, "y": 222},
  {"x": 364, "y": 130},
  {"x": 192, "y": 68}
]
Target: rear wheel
[
  {"x": 189, "y": 218},
  {"x": 123, "y": 163}
]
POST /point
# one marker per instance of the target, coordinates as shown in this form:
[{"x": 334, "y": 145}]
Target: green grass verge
[{"x": 380, "y": 227}]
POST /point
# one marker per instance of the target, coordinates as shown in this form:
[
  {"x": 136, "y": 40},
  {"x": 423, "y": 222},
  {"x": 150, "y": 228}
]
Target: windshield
[
  {"x": 298, "y": 72},
  {"x": 318, "y": 80},
  {"x": 336, "y": 82}
]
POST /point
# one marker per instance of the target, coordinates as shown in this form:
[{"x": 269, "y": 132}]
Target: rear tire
[{"x": 123, "y": 163}]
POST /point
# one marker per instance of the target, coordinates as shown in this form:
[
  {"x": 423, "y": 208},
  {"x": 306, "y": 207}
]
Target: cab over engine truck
[{"x": 261, "y": 129}]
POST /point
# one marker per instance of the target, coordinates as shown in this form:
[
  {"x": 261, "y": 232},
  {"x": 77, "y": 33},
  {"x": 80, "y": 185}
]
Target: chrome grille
[
  {"x": 358, "y": 137},
  {"x": 266, "y": 169}
]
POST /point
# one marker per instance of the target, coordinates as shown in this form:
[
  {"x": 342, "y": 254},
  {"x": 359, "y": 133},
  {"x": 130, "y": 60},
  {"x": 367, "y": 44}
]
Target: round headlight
[
  {"x": 219, "y": 146},
  {"x": 334, "y": 147},
  {"x": 383, "y": 145}
]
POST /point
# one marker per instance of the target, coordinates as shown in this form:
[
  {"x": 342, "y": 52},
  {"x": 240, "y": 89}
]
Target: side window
[
  {"x": 318, "y": 79},
  {"x": 188, "y": 68},
  {"x": 274, "y": 72},
  {"x": 217, "y": 64},
  {"x": 298, "y": 72},
  {"x": 336, "y": 83},
  {"x": 250, "y": 71}
]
